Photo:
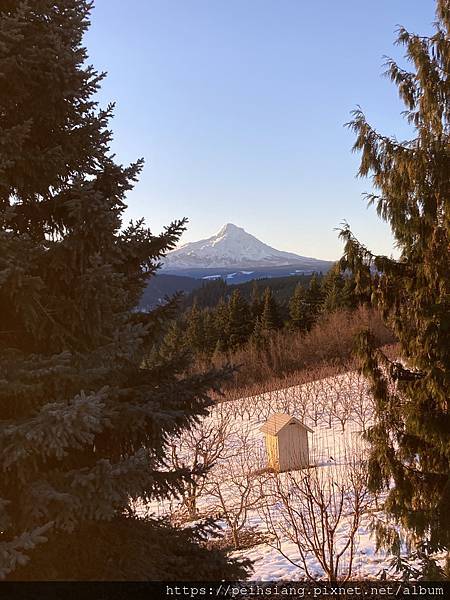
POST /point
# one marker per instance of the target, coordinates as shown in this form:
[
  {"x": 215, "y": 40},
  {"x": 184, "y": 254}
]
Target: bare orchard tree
[
  {"x": 299, "y": 403},
  {"x": 315, "y": 397},
  {"x": 198, "y": 449},
  {"x": 266, "y": 404},
  {"x": 235, "y": 487},
  {"x": 245, "y": 407},
  {"x": 329, "y": 402},
  {"x": 363, "y": 405},
  {"x": 341, "y": 396},
  {"x": 319, "y": 509}
]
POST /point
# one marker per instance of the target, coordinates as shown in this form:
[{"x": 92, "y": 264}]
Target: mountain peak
[
  {"x": 232, "y": 247},
  {"x": 229, "y": 228}
]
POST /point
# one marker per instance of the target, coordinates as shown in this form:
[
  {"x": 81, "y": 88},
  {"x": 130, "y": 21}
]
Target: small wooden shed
[{"x": 286, "y": 442}]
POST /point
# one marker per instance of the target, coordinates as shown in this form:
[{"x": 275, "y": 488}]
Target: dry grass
[{"x": 291, "y": 358}]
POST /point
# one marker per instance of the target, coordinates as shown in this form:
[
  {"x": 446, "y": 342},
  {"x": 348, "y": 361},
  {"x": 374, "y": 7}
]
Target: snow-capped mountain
[{"x": 233, "y": 247}]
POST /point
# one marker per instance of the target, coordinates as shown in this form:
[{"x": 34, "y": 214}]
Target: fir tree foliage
[
  {"x": 315, "y": 297},
  {"x": 298, "y": 309},
  {"x": 195, "y": 332},
  {"x": 221, "y": 321},
  {"x": 338, "y": 290},
  {"x": 239, "y": 320},
  {"x": 258, "y": 338},
  {"x": 255, "y": 302},
  {"x": 410, "y": 440},
  {"x": 270, "y": 316},
  {"x": 86, "y": 405}
]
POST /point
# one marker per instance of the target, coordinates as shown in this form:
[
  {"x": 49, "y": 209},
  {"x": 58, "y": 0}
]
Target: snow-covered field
[{"x": 307, "y": 517}]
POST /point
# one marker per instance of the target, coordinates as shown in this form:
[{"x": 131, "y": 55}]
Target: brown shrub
[{"x": 291, "y": 357}]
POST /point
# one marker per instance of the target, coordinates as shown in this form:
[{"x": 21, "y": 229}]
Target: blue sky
[{"x": 238, "y": 107}]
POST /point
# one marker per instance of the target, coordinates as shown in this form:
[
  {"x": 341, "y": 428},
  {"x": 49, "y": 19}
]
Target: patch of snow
[{"x": 321, "y": 405}]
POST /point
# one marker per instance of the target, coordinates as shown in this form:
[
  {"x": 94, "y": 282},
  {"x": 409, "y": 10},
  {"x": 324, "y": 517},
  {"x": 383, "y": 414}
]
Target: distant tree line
[
  {"x": 249, "y": 314},
  {"x": 209, "y": 294}
]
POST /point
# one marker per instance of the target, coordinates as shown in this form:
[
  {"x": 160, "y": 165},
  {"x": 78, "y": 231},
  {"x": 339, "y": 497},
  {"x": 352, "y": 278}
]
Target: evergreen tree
[
  {"x": 195, "y": 329},
  {"x": 338, "y": 290},
  {"x": 239, "y": 320},
  {"x": 314, "y": 297},
  {"x": 84, "y": 415},
  {"x": 221, "y": 320},
  {"x": 410, "y": 440},
  {"x": 270, "y": 317},
  {"x": 298, "y": 309},
  {"x": 210, "y": 333},
  {"x": 255, "y": 302},
  {"x": 350, "y": 299},
  {"x": 258, "y": 338},
  {"x": 174, "y": 340}
]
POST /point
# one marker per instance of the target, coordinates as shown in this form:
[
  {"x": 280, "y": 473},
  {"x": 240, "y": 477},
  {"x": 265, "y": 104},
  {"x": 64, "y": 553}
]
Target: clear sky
[{"x": 238, "y": 107}]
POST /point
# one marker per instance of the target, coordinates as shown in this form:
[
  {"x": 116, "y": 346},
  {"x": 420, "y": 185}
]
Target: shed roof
[{"x": 276, "y": 422}]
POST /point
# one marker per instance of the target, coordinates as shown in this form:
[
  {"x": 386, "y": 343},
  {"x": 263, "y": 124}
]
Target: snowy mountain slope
[{"x": 233, "y": 247}]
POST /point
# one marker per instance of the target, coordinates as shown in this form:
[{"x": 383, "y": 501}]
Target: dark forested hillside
[
  {"x": 209, "y": 293},
  {"x": 162, "y": 286}
]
